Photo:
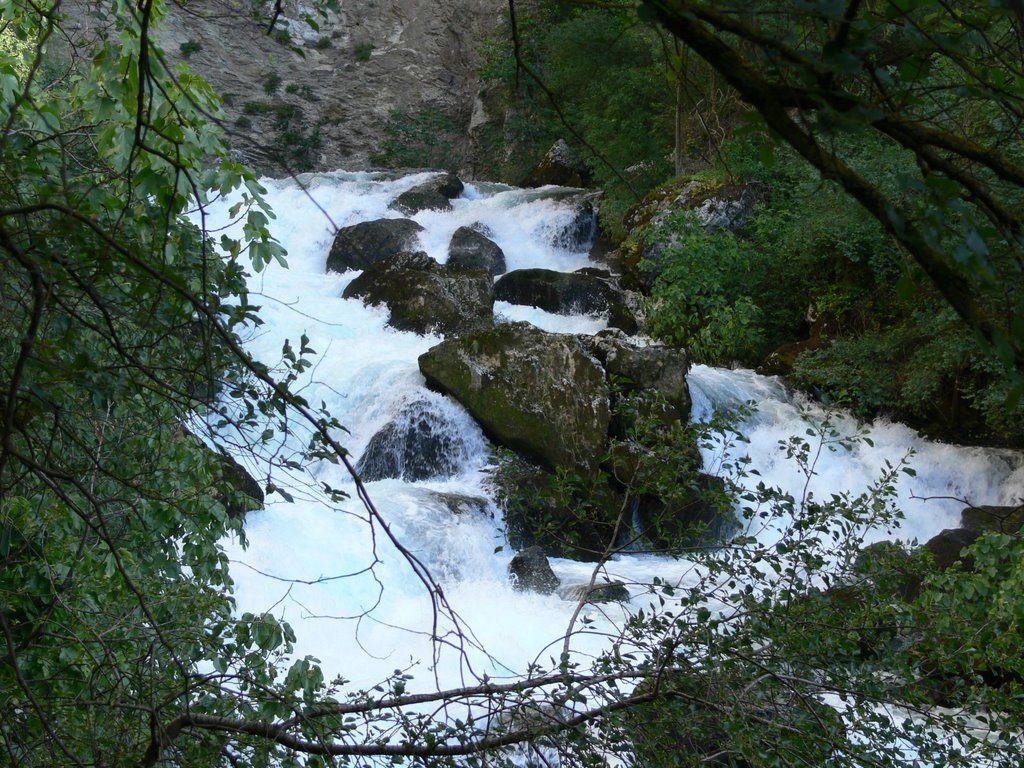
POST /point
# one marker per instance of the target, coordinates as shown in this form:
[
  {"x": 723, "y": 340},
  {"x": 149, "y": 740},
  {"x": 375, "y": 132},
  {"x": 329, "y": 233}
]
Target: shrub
[
  {"x": 696, "y": 300},
  {"x": 271, "y": 83},
  {"x": 189, "y": 47},
  {"x": 362, "y": 51},
  {"x": 424, "y": 138}
]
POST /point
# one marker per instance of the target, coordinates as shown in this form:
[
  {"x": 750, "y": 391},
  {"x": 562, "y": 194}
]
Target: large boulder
[
  {"x": 992, "y": 518},
  {"x": 715, "y": 205},
  {"x": 426, "y": 297},
  {"x": 585, "y": 292},
  {"x": 474, "y": 250},
  {"x": 419, "y": 443},
  {"x": 947, "y": 548},
  {"x": 562, "y": 166},
  {"x": 650, "y": 381},
  {"x": 431, "y": 195},
  {"x": 535, "y": 392},
  {"x": 359, "y": 246}
]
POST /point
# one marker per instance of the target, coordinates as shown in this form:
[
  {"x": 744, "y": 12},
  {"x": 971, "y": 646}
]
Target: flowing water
[{"x": 352, "y": 598}]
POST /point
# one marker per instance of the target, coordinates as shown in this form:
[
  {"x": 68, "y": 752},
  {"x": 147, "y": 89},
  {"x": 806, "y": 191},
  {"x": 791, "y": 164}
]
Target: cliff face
[{"x": 327, "y": 107}]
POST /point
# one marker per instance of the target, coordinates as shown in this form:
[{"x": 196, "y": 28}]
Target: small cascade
[
  {"x": 429, "y": 438},
  {"x": 946, "y": 478}
]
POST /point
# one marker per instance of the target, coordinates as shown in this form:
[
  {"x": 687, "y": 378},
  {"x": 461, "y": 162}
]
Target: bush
[
  {"x": 189, "y": 47},
  {"x": 271, "y": 83},
  {"x": 425, "y": 138},
  {"x": 696, "y": 301},
  {"x": 362, "y": 51}
]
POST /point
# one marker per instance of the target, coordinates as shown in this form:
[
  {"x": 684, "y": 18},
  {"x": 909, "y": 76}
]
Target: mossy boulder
[
  {"x": 363, "y": 244},
  {"x": 426, "y": 297},
  {"x": 561, "y": 166},
  {"x": 535, "y": 392}
]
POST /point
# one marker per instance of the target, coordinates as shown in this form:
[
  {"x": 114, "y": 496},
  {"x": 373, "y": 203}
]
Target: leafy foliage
[
  {"x": 421, "y": 139},
  {"x": 914, "y": 76},
  {"x": 698, "y": 297}
]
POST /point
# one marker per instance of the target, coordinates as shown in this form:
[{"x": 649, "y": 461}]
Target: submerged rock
[
  {"x": 361, "y": 245},
  {"x": 530, "y": 571},
  {"x": 583, "y": 230},
  {"x": 426, "y": 297},
  {"x": 417, "y": 444},
  {"x": 461, "y": 504},
  {"x": 599, "y": 592},
  {"x": 474, "y": 250},
  {"x": 535, "y": 392}
]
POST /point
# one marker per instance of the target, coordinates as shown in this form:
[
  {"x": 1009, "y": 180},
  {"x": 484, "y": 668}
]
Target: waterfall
[{"x": 378, "y": 618}]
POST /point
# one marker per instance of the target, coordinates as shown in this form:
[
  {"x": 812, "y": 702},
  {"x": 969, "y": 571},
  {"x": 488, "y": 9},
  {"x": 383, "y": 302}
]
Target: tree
[
  {"x": 119, "y": 642},
  {"x": 938, "y": 80}
]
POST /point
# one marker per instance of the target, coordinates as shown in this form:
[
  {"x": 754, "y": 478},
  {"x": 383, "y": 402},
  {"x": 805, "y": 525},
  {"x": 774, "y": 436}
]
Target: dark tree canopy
[{"x": 941, "y": 81}]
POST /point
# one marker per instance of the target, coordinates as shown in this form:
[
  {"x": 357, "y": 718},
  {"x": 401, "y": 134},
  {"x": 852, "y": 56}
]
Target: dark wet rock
[
  {"x": 472, "y": 249},
  {"x": 567, "y": 293},
  {"x": 431, "y": 195},
  {"x": 562, "y": 166},
  {"x": 581, "y": 232},
  {"x": 993, "y": 518},
  {"x": 359, "y": 246},
  {"x": 461, "y": 504},
  {"x": 243, "y": 493},
  {"x": 599, "y": 592},
  {"x": 426, "y": 297},
  {"x": 948, "y": 545},
  {"x": 530, "y": 571}
]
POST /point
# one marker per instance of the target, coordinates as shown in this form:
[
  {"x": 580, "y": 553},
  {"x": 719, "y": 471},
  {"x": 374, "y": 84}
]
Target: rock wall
[{"x": 320, "y": 99}]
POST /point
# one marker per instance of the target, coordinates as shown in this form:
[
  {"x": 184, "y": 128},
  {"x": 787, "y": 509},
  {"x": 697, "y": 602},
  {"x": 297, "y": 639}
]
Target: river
[{"x": 352, "y": 599}]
